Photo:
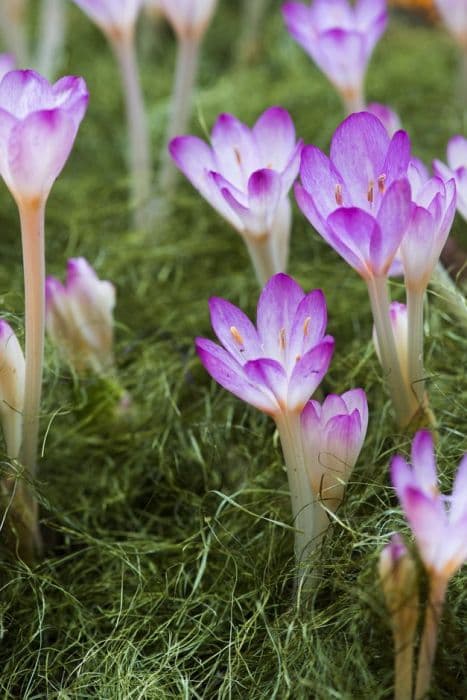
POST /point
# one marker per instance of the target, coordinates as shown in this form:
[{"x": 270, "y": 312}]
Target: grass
[{"x": 169, "y": 570}]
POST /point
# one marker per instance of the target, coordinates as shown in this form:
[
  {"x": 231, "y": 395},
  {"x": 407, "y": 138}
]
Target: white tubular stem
[
  {"x": 415, "y": 342},
  {"x": 138, "y": 134},
  {"x": 180, "y": 106},
  {"x": 429, "y": 641},
  {"x": 51, "y": 37},
  {"x": 252, "y": 23},
  {"x": 353, "y": 101},
  {"x": 263, "y": 257},
  {"x": 404, "y": 401}
]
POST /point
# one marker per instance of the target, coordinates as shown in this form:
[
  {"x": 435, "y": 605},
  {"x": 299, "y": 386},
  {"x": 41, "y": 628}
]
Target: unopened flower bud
[{"x": 12, "y": 373}]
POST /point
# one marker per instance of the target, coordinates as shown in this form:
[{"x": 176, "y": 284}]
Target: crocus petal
[
  {"x": 38, "y": 148},
  {"x": 428, "y": 523},
  {"x": 333, "y": 405},
  {"x": 417, "y": 248},
  {"x": 401, "y": 475},
  {"x": 457, "y": 152},
  {"x": 229, "y": 374},
  {"x": 358, "y": 151},
  {"x": 393, "y": 219},
  {"x": 458, "y": 508},
  {"x": 308, "y": 373},
  {"x": 234, "y": 330},
  {"x": 423, "y": 461},
  {"x": 356, "y": 400},
  {"x": 452, "y": 549},
  {"x": 322, "y": 182},
  {"x": 270, "y": 374},
  {"x": 264, "y": 192},
  {"x": 274, "y": 133},
  {"x": 342, "y": 440},
  {"x": 397, "y": 158},
  {"x": 309, "y": 325},
  {"x": 235, "y": 150},
  {"x": 276, "y": 311},
  {"x": 352, "y": 233},
  {"x": 341, "y": 55}
]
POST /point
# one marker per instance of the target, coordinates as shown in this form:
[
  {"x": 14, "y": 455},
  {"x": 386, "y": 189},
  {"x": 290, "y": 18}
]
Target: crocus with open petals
[
  {"x": 12, "y": 373},
  {"x": 246, "y": 175},
  {"x": 276, "y": 366},
  {"x": 333, "y": 435},
  {"x": 340, "y": 38},
  {"x": 455, "y": 169},
  {"x": 439, "y": 525},
  {"x": 79, "y": 316}
]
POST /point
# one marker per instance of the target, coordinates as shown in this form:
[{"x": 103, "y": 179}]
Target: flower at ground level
[
  {"x": 12, "y": 375},
  {"x": 277, "y": 365},
  {"x": 333, "y": 435},
  {"x": 38, "y": 126},
  {"x": 189, "y": 18},
  {"x": 80, "y": 316},
  {"x": 457, "y": 169},
  {"x": 359, "y": 199},
  {"x": 339, "y": 37},
  {"x": 438, "y": 523}
]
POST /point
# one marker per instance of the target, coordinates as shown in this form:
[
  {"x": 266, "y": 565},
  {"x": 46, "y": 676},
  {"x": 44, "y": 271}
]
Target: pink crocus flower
[
  {"x": 454, "y": 15},
  {"x": 455, "y": 169},
  {"x": 189, "y": 18},
  {"x": 276, "y": 366},
  {"x": 114, "y": 17},
  {"x": 438, "y": 523},
  {"x": 12, "y": 374},
  {"x": 246, "y": 175},
  {"x": 7, "y": 64},
  {"x": 340, "y": 38},
  {"x": 333, "y": 435},
  {"x": 79, "y": 316}
]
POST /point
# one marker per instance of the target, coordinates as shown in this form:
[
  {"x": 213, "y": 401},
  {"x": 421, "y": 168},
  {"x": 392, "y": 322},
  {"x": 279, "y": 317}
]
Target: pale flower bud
[
  {"x": 79, "y": 317},
  {"x": 398, "y": 314},
  {"x": 12, "y": 373}
]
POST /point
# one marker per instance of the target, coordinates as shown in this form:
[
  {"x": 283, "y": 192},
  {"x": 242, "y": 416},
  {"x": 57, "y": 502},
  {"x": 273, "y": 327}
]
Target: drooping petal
[{"x": 234, "y": 330}]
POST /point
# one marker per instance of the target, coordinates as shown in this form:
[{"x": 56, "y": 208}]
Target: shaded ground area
[{"x": 169, "y": 566}]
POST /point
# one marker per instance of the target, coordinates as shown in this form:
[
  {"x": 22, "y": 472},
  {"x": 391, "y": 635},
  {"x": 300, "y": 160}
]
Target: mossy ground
[{"x": 169, "y": 571}]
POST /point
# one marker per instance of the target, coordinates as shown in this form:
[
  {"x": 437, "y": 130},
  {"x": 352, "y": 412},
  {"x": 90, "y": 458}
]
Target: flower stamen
[
  {"x": 236, "y": 335},
  {"x": 338, "y": 195}
]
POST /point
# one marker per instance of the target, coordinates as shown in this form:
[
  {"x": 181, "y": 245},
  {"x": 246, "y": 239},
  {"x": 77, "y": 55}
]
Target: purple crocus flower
[
  {"x": 7, "y": 64},
  {"x": 340, "y": 39},
  {"x": 279, "y": 364},
  {"x": 79, "y": 316},
  {"x": 456, "y": 169},
  {"x": 12, "y": 372},
  {"x": 454, "y": 14},
  {"x": 38, "y": 126},
  {"x": 246, "y": 175},
  {"x": 276, "y": 366},
  {"x": 387, "y": 116},
  {"x": 189, "y": 18},
  {"x": 333, "y": 435},
  {"x": 359, "y": 199},
  {"x": 114, "y": 17},
  {"x": 438, "y": 523}
]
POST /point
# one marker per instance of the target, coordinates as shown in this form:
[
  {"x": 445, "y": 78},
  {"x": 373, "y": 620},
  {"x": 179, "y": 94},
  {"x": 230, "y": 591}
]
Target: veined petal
[
  {"x": 308, "y": 207},
  {"x": 342, "y": 55},
  {"x": 309, "y": 325},
  {"x": 274, "y": 133},
  {"x": 234, "y": 330},
  {"x": 457, "y": 152},
  {"x": 352, "y": 232},
  {"x": 308, "y": 373},
  {"x": 276, "y": 311},
  {"x": 397, "y": 158},
  {"x": 235, "y": 151},
  {"x": 269, "y": 374},
  {"x": 393, "y": 219},
  {"x": 229, "y": 374},
  {"x": 322, "y": 182}
]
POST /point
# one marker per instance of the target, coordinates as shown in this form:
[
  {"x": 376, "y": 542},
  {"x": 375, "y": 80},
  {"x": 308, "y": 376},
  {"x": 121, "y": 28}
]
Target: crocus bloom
[
  {"x": 456, "y": 169},
  {"x": 114, "y": 17},
  {"x": 246, "y": 175},
  {"x": 340, "y": 39},
  {"x": 438, "y": 523},
  {"x": 7, "y": 64},
  {"x": 38, "y": 126},
  {"x": 387, "y": 116},
  {"x": 12, "y": 373},
  {"x": 279, "y": 364},
  {"x": 454, "y": 14},
  {"x": 333, "y": 435},
  {"x": 276, "y": 366},
  {"x": 189, "y": 18},
  {"x": 79, "y": 316}
]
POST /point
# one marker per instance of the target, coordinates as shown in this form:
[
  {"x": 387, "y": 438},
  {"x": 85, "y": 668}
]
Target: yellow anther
[
  {"x": 382, "y": 183},
  {"x": 282, "y": 338},
  {"x": 338, "y": 195},
  {"x": 236, "y": 335},
  {"x": 306, "y": 326},
  {"x": 238, "y": 156},
  {"x": 371, "y": 192}
]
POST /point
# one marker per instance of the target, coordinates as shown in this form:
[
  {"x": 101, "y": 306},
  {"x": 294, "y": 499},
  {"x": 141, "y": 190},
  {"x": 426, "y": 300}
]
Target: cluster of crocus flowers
[
  {"x": 439, "y": 525},
  {"x": 79, "y": 317},
  {"x": 246, "y": 175},
  {"x": 117, "y": 20},
  {"x": 276, "y": 367},
  {"x": 340, "y": 38},
  {"x": 376, "y": 207},
  {"x": 38, "y": 126},
  {"x": 190, "y": 20}
]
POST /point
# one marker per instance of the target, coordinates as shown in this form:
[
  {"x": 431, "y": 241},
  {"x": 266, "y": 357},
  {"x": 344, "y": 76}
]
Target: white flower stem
[
  {"x": 416, "y": 373},
  {"x": 429, "y": 641},
  {"x": 405, "y": 626},
  {"x": 51, "y": 36},
  {"x": 306, "y": 511},
  {"x": 32, "y": 233},
  {"x": 180, "y": 106},
  {"x": 263, "y": 257},
  {"x": 138, "y": 134},
  {"x": 253, "y": 15},
  {"x": 354, "y": 101},
  {"x": 404, "y": 401}
]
